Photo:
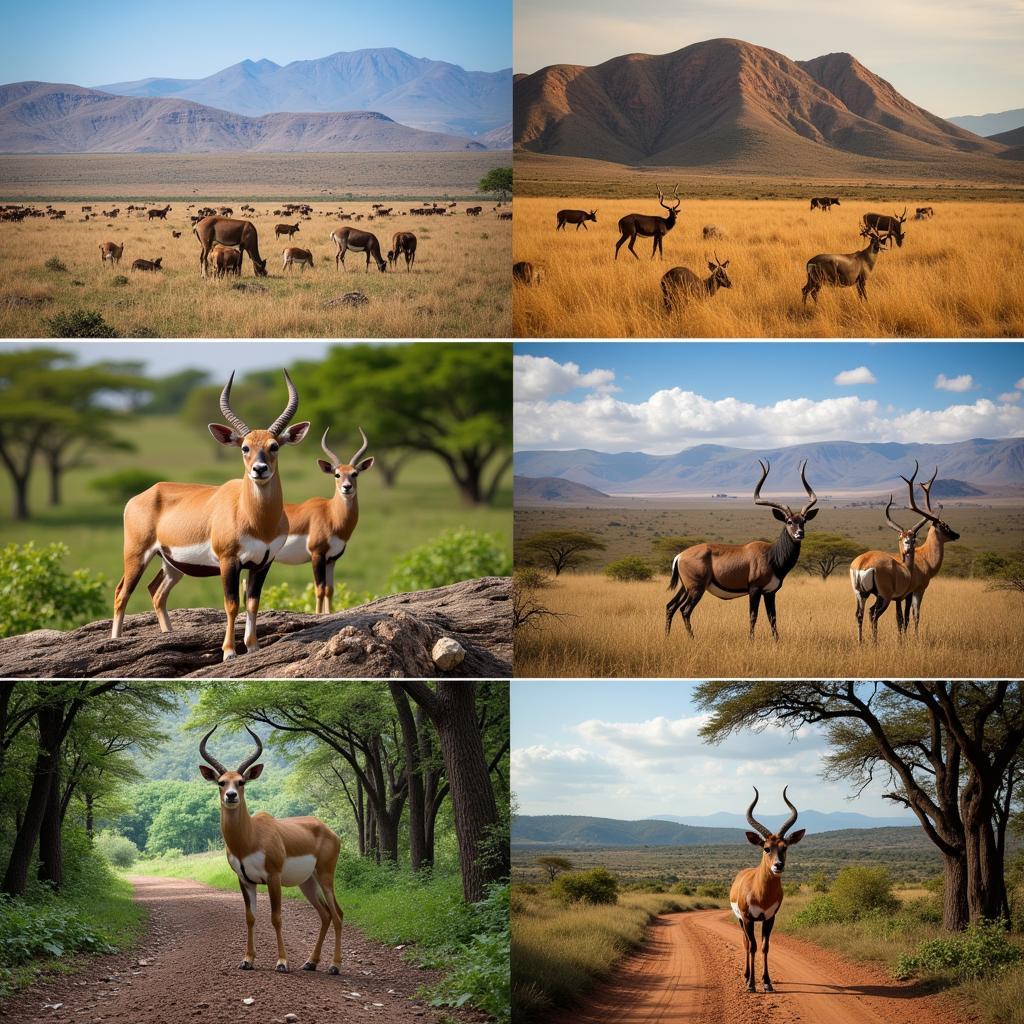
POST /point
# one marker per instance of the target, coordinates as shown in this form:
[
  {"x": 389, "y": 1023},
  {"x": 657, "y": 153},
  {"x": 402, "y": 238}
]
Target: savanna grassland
[
  {"x": 956, "y": 275},
  {"x": 458, "y": 285}
]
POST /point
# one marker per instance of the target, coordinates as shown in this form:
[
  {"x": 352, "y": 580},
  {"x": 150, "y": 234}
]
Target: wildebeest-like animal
[
  {"x": 148, "y": 264},
  {"x": 285, "y": 229},
  {"x": 238, "y": 234},
  {"x": 825, "y": 203}
]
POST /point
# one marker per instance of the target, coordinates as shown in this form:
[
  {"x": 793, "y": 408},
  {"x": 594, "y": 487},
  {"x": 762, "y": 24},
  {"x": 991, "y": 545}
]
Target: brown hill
[
  {"x": 40, "y": 117},
  {"x": 1015, "y": 140},
  {"x": 729, "y": 104}
]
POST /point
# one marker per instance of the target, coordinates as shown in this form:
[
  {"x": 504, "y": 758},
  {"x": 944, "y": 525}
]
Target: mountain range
[
  {"x": 542, "y": 489},
  {"x": 729, "y": 104},
  {"x": 813, "y": 821},
  {"x": 832, "y": 465},
  {"x": 991, "y": 124},
  {"x": 431, "y": 95}
]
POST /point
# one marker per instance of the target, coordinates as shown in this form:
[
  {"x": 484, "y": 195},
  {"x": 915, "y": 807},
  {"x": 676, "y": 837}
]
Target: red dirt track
[{"x": 690, "y": 971}]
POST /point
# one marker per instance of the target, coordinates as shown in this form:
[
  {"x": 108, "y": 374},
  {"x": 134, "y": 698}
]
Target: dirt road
[
  {"x": 186, "y": 970},
  {"x": 691, "y": 972}
]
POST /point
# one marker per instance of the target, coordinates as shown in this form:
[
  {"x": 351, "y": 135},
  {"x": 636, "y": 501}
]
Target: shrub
[
  {"x": 51, "y": 927},
  {"x": 980, "y": 952},
  {"x": 857, "y": 891},
  {"x": 714, "y": 890},
  {"x": 594, "y": 886},
  {"x": 116, "y": 849},
  {"x": 454, "y": 555},
  {"x": 119, "y": 281},
  {"x": 55, "y": 264},
  {"x": 821, "y": 910},
  {"x": 628, "y": 569},
  {"x": 124, "y": 484},
  {"x": 80, "y": 323},
  {"x": 281, "y": 597}
]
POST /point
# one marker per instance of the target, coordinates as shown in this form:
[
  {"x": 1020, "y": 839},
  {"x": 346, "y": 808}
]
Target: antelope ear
[
  {"x": 294, "y": 434},
  {"x": 810, "y": 515},
  {"x": 208, "y": 773},
  {"x": 796, "y": 836},
  {"x": 365, "y": 464},
  {"x": 711, "y": 266},
  {"x": 754, "y": 839},
  {"x": 781, "y": 516},
  {"x": 257, "y": 770},
  {"x": 225, "y": 435},
  {"x": 325, "y": 466}
]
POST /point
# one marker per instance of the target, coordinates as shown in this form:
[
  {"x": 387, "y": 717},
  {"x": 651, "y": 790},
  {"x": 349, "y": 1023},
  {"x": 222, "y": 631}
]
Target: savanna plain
[{"x": 957, "y": 274}]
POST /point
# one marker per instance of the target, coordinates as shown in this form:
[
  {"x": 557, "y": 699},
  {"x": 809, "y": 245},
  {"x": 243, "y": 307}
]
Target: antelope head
[
  {"x": 345, "y": 473},
  {"x": 877, "y": 240},
  {"x": 718, "y": 275},
  {"x": 675, "y": 196},
  {"x": 232, "y": 784},
  {"x": 907, "y": 538},
  {"x": 259, "y": 447},
  {"x": 774, "y": 844},
  {"x": 945, "y": 531},
  {"x": 794, "y": 521}
]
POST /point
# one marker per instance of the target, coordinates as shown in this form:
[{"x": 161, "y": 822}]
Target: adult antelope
[
  {"x": 358, "y": 241},
  {"x": 842, "y": 271},
  {"x": 577, "y": 217},
  {"x": 757, "y": 569},
  {"x": 263, "y": 850},
  {"x": 889, "y": 577},
  {"x": 209, "y": 530},
  {"x": 403, "y": 243},
  {"x": 285, "y": 229},
  {"x": 293, "y": 255},
  {"x": 892, "y": 225},
  {"x": 649, "y": 226},
  {"x": 235, "y": 234},
  {"x": 681, "y": 284},
  {"x": 756, "y": 893},
  {"x": 319, "y": 529},
  {"x": 825, "y": 203},
  {"x": 156, "y": 214},
  {"x": 112, "y": 252}
]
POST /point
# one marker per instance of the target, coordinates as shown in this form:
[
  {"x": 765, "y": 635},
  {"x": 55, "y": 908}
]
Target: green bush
[
  {"x": 629, "y": 569},
  {"x": 454, "y": 555},
  {"x": 714, "y": 890},
  {"x": 821, "y": 910},
  {"x": 80, "y": 323},
  {"x": 116, "y": 850},
  {"x": 594, "y": 886},
  {"x": 29, "y": 929},
  {"x": 858, "y": 890},
  {"x": 55, "y": 264},
  {"x": 37, "y": 592},
  {"x": 119, "y": 487},
  {"x": 281, "y": 597},
  {"x": 982, "y": 951},
  {"x": 119, "y": 281}
]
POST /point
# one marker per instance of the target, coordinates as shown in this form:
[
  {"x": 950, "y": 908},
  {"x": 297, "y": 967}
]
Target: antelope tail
[{"x": 674, "y": 581}]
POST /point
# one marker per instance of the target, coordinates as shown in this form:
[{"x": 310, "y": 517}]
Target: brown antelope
[
  {"x": 161, "y": 214},
  {"x": 358, "y": 241},
  {"x": 111, "y": 251},
  {"x": 292, "y": 255},
  {"x": 728, "y": 571},
  {"x": 403, "y": 243},
  {"x": 474, "y": 211},
  {"x": 263, "y": 850},
  {"x": 928, "y": 556},
  {"x": 681, "y": 284},
  {"x": 237, "y": 234},
  {"x": 648, "y": 226},
  {"x": 319, "y": 529},
  {"x": 285, "y": 229},
  {"x": 208, "y": 530},
  {"x": 891, "y": 225},
  {"x": 845, "y": 270},
  {"x": 526, "y": 273},
  {"x": 923, "y": 213},
  {"x": 825, "y": 203},
  {"x": 888, "y": 577},
  {"x": 756, "y": 893},
  {"x": 148, "y": 264},
  {"x": 227, "y": 261},
  {"x": 577, "y": 217},
  {"x": 175, "y": 234}
]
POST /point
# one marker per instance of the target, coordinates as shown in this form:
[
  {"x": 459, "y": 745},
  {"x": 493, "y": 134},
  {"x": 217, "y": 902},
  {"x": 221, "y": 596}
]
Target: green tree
[
  {"x": 629, "y": 569},
  {"x": 822, "y": 553},
  {"x": 497, "y": 181},
  {"x": 186, "y": 821},
  {"x": 553, "y": 865},
  {"x": 561, "y": 549},
  {"x": 666, "y": 548},
  {"x": 168, "y": 394},
  {"x": 454, "y": 555},
  {"x": 598, "y": 885}
]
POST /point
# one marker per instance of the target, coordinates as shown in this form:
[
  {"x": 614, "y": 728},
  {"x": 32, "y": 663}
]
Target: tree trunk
[
  {"x": 413, "y": 776},
  {"x": 954, "y": 897},
  {"x": 19, "y": 510},
  {"x": 56, "y": 470},
  {"x": 986, "y": 887},
  {"x": 89, "y": 821},
  {"x": 51, "y": 850},
  {"x": 361, "y": 818}
]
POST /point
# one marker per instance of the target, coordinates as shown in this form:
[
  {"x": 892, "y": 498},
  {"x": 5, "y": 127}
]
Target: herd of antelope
[
  {"x": 243, "y": 524},
  {"x": 681, "y": 284},
  {"x": 757, "y": 570}
]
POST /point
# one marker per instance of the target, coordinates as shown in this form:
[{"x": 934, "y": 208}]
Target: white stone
[{"x": 448, "y": 653}]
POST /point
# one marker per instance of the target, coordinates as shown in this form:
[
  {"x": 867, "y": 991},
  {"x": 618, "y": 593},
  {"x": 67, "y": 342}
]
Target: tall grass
[
  {"x": 605, "y": 628},
  {"x": 957, "y": 275}
]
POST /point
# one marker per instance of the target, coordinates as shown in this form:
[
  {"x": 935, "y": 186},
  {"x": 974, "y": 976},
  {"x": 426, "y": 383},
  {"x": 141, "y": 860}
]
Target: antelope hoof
[
  {"x": 309, "y": 965},
  {"x": 768, "y": 987},
  {"x": 333, "y": 969},
  {"x": 229, "y": 655},
  {"x": 245, "y": 965},
  {"x": 282, "y": 968}
]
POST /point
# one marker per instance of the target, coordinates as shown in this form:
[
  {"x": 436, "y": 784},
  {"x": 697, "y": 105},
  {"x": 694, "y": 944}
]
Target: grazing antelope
[
  {"x": 681, "y": 283},
  {"x": 227, "y": 261},
  {"x": 263, "y": 850},
  {"x": 161, "y": 214},
  {"x": 111, "y": 251},
  {"x": 238, "y": 234},
  {"x": 891, "y": 225},
  {"x": 208, "y": 530},
  {"x": 526, "y": 273},
  {"x": 923, "y": 213},
  {"x": 756, "y": 893},
  {"x": 358, "y": 241},
  {"x": 928, "y": 556},
  {"x": 889, "y": 577},
  {"x": 403, "y": 243},
  {"x": 845, "y": 270},
  {"x": 824, "y": 203},
  {"x": 712, "y": 231},
  {"x": 319, "y": 529},
  {"x": 648, "y": 226},
  {"x": 577, "y": 217},
  {"x": 148, "y": 264},
  {"x": 757, "y": 569},
  {"x": 291, "y": 255},
  {"x": 285, "y": 229}
]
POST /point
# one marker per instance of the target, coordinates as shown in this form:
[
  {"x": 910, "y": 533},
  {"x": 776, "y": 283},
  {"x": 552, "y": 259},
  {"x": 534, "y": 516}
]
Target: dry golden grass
[
  {"x": 618, "y": 629},
  {"x": 957, "y": 275},
  {"x": 458, "y": 286}
]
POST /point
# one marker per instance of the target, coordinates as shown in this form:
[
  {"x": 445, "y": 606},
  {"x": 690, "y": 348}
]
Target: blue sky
[
  {"x": 662, "y": 397},
  {"x": 96, "y": 43},
  {"x": 629, "y": 749}
]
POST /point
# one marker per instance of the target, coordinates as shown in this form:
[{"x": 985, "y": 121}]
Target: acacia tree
[
  {"x": 561, "y": 549},
  {"x": 822, "y": 553}
]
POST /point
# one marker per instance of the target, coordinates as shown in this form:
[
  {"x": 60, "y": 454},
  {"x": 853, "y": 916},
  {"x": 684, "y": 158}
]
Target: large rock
[{"x": 390, "y": 637}]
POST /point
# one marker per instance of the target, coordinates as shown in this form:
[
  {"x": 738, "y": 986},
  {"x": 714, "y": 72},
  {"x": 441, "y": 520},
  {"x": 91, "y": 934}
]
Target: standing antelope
[
  {"x": 208, "y": 530},
  {"x": 358, "y": 241},
  {"x": 756, "y": 893},
  {"x": 263, "y": 850},
  {"x": 649, "y": 226},
  {"x": 293, "y": 255},
  {"x": 155, "y": 214},
  {"x": 891, "y": 225},
  {"x": 846, "y": 270},
  {"x": 577, "y": 217},
  {"x": 888, "y": 577},
  {"x": 319, "y": 529},
  {"x": 403, "y": 243},
  {"x": 757, "y": 569},
  {"x": 111, "y": 251},
  {"x": 681, "y": 284}
]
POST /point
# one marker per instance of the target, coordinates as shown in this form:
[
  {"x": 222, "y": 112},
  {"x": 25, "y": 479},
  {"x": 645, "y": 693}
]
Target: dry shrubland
[{"x": 957, "y": 275}]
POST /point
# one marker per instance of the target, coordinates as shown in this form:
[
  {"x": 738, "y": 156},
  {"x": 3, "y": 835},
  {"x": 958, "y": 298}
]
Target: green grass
[{"x": 392, "y": 521}]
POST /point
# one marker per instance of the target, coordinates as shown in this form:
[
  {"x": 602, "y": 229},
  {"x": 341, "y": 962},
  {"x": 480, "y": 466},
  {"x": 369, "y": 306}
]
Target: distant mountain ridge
[
  {"x": 554, "y": 490},
  {"x": 839, "y": 465},
  {"x": 812, "y": 820},
  {"x": 431, "y": 95},
  {"x": 991, "y": 124}
]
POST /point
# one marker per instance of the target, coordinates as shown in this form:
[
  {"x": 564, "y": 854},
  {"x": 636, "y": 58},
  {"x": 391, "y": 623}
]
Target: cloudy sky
[
  {"x": 661, "y": 398},
  {"x": 630, "y": 749},
  {"x": 949, "y": 57}
]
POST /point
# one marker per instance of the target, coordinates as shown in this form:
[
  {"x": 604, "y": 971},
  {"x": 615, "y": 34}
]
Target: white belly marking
[
  {"x": 293, "y": 550},
  {"x": 194, "y": 554},
  {"x": 253, "y": 551},
  {"x": 736, "y": 910},
  {"x": 335, "y": 547},
  {"x": 294, "y": 871},
  {"x": 297, "y": 869},
  {"x": 725, "y": 595}
]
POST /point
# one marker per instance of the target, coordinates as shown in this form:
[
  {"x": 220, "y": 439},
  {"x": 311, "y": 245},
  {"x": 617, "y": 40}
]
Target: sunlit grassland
[{"x": 957, "y": 275}]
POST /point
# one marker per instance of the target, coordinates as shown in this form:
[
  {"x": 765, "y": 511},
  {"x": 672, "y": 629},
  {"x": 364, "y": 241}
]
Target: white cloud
[
  {"x": 1020, "y": 384},
  {"x": 566, "y": 768},
  {"x": 858, "y": 375},
  {"x": 1010, "y": 396},
  {"x": 538, "y": 377},
  {"x": 962, "y": 383}
]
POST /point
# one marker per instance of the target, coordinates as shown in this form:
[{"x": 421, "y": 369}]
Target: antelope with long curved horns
[
  {"x": 319, "y": 529},
  {"x": 208, "y": 530},
  {"x": 756, "y": 893},
  {"x": 648, "y": 226},
  {"x": 756, "y": 569},
  {"x": 263, "y": 850}
]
